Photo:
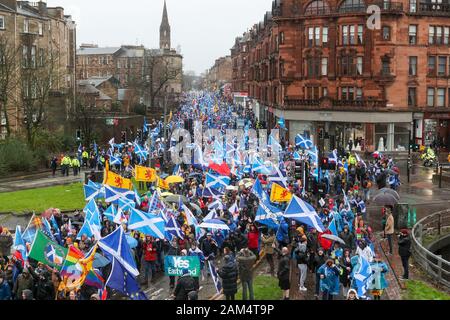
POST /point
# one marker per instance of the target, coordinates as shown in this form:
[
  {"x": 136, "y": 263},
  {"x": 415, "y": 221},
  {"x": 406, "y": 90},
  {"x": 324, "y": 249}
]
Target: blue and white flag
[
  {"x": 19, "y": 244},
  {"x": 141, "y": 153},
  {"x": 333, "y": 157},
  {"x": 258, "y": 191},
  {"x": 215, "y": 277},
  {"x": 191, "y": 220},
  {"x": 90, "y": 209},
  {"x": 80, "y": 150},
  {"x": 110, "y": 213},
  {"x": 361, "y": 276},
  {"x": 113, "y": 160},
  {"x": 303, "y": 212},
  {"x": 91, "y": 192},
  {"x": 262, "y": 168},
  {"x": 123, "y": 281},
  {"x": 314, "y": 155},
  {"x": 333, "y": 228},
  {"x": 155, "y": 204},
  {"x": 346, "y": 202},
  {"x": 217, "y": 182},
  {"x": 216, "y": 205},
  {"x": 112, "y": 195},
  {"x": 303, "y": 142},
  {"x": 211, "y": 192},
  {"x": 173, "y": 228},
  {"x": 362, "y": 206},
  {"x": 147, "y": 223},
  {"x": 115, "y": 245},
  {"x": 279, "y": 177},
  {"x": 214, "y": 224},
  {"x": 56, "y": 230}
]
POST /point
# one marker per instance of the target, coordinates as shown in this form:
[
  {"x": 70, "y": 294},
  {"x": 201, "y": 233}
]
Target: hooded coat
[
  {"x": 229, "y": 275},
  {"x": 330, "y": 282},
  {"x": 378, "y": 280}
]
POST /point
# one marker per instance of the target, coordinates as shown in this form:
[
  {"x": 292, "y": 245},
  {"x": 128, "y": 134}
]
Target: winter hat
[{"x": 352, "y": 291}]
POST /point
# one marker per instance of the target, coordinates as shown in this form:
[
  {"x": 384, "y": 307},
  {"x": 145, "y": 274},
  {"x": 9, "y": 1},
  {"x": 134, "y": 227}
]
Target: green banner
[
  {"x": 175, "y": 265},
  {"x": 46, "y": 251}
]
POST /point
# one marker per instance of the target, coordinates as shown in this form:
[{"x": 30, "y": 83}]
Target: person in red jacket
[
  {"x": 325, "y": 243},
  {"x": 253, "y": 240},
  {"x": 150, "y": 256}
]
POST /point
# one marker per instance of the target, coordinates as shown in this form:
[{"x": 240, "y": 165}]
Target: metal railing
[{"x": 431, "y": 228}]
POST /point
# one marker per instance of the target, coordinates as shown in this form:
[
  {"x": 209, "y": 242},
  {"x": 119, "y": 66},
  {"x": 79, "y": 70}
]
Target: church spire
[{"x": 164, "y": 30}]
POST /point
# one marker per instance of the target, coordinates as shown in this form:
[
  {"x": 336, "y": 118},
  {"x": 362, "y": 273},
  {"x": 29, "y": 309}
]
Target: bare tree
[
  {"x": 159, "y": 71},
  {"x": 8, "y": 65},
  {"x": 37, "y": 77}
]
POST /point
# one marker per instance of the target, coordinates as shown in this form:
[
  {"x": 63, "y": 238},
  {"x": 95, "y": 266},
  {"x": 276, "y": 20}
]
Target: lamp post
[{"x": 408, "y": 165}]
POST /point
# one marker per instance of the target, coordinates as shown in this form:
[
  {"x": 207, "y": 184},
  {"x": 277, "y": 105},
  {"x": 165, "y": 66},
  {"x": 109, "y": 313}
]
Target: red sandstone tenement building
[{"x": 320, "y": 67}]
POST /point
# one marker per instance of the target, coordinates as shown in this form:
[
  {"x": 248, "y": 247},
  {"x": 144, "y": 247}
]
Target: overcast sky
[{"x": 205, "y": 29}]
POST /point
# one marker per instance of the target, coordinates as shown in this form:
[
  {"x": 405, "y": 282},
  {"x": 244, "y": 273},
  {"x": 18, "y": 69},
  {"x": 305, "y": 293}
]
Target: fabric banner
[
  {"x": 174, "y": 265},
  {"x": 144, "y": 174},
  {"x": 46, "y": 251},
  {"x": 279, "y": 194},
  {"x": 117, "y": 181}
]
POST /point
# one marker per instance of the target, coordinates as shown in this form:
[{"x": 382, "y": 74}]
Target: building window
[
  {"x": 386, "y": 33},
  {"x": 325, "y": 35},
  {"x": 310, "y": 36},
  {"x": 347, "y": 93},
  {"x": 359, "y": 66},
  {"x": 413, "y": 66},
  {"x": 345, "y": 35},
  {"x": 431, "y": 65},
  {"x": 313, "y": 66},
  {"x": 41, "y": 57},
  {"x": 347, "y": 67},
  {"x": 385, "y": 67},
  {"x": 359, "y": 93},
  {"x": 412, "y": 98},
  {"x": 430, "y": 97},
  {"x": 24, "y": 56},
  {"x": 317, "y": 36},
  {"x": 324, "y": 66},
  {"x": 352, "y": 35},
  {"x": 430, "y": 35},
  {"x": 33, "y": 56},
  {"x": 412, "y": 6},
  {"x": 360, "y": 33},
  {"x": 324, "y": 92},
  {"x": 26, "y": 26},
  {"x": 317, "y": 8},
  {"x": 344, "y": 93},
  {"x": 442, "y": 66},
  {"x": 438, "y": 35},
  {"x": 413, "y": 34},
  {"x": 40, "y": 28},
  {"x": 281, "y": 37},
  {"x": 2, "y": 22},
  {"x": 441, "y": 97},
  {"x": 446, "y": 34},
  {"x": 352, "y": 6}
]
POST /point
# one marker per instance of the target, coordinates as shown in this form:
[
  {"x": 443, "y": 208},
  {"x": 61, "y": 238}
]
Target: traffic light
[
  {"x": 324, "y": 163},
  {"x": 298, "y": 171},
  {"x": 321, "y": 135}
]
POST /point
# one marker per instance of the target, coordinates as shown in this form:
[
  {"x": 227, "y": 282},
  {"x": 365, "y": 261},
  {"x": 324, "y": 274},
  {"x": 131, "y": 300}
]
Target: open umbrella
[
  {"x": 247, "y": 182},
  {"x": 176, "y": 199},
  {"x": 196, "y": 207},
  {"x": 214, "y": 224},
  {"x": 385, "y": 199},
  {"x": 166, "y": 194},
  {"x": 390, "y": 191},
  {"x": 232, "y": 188},
  {"x": 332, "y": 237},
  {"x": 195, "y": 175},
  {"x": 163, "y": 175},
  {"x": 174, "y": 179}
]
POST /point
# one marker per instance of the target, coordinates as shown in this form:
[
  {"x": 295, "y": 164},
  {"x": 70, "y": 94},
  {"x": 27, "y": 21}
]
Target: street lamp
[{"x": 409, "y": 164}]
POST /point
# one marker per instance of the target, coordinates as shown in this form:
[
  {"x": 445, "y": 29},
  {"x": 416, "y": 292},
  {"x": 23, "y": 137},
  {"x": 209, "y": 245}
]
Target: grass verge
[
  {"x": 65, "y": 197},
  {"x": 419, "y": 290},
  {"x": 264, "y": 288}
]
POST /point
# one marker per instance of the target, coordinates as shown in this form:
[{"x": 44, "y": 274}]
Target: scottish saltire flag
[
  {"x": 191, "y": 220},
  {"x": 173, "y": 228},
  {"x": 211, "y": 215},
  {"x": 333, "y": 227},
  {"x": 56, "y": 230},
  {"x": 333, "y": 157},
  {"x": 262, "y": 168},
  {"x": 297, "y": 156},
  {"x": 247, "y": 167},
  {"x": 303, "y": 212},
  {"x": 140, "y": 152},
  {"x": 113, "y": 160},
  {"x": 80, "y": 150},
  {"x": 303, "y": 142},
  {"x": 268, "y": 214},
  {"x": 19, "y": 245},
  {"x": 147, "y": 223},
  {"x": 125, "y": 205},
  {"x": 87, "y": 229},
  {"x": 155, "y": 204},
  {"x": 279, "y": 177},
  {"x": 145, "y": 126},
  {"x": 91, "y": 193},
  {"x": 47, "y": 229},
  {"x": 34, "y": 225},
  {"x": 123, "y": 281},
  {"x": 137, "y": 197},
  {"x": 361, "y": 276},
  {"x": 90, "y": 209},
  {"x": 211, "y": 192},
  {"x": 110, "y": 213},
  {"x": 115, "y": 245},
  {"x": 112, "y": 195},
  {"x": 359, "y": 160},
  {"x": 259, "y": 191},
  {"x": 346, "y": 202},
  {"x": 215, "y": 277},
  {"x": 216, "y": 205},
  {"x": 217, "y": 182},
  {"x": 274, "y": 144},
  {"x": 362, "y": 206},
  {"x": 314, "y": 155},
  {"x": 234, "y": 210},
  {"x": 176, "y": 170}
]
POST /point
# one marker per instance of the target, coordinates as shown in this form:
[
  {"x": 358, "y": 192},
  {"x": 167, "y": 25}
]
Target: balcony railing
[
  {"x": 434, "y": 8},
  {"x": 330, "y": 104}
]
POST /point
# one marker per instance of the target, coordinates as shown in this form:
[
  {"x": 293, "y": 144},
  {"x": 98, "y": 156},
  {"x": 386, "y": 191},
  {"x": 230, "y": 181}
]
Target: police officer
[
  {"x": 85, "y": 158},
  {"x": 65, "y": 163},
  {"x": 75, "y": 164}
]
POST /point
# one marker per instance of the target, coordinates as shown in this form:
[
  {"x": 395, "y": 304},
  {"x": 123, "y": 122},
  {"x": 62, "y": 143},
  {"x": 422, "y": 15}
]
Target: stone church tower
[{"x": 164, "y": 30}]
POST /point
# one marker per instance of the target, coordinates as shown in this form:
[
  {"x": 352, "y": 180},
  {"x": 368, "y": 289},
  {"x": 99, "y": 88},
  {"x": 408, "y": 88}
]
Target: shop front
[
  {"x": 368, "y": 131},
  {"x": 436, "y": 131}
]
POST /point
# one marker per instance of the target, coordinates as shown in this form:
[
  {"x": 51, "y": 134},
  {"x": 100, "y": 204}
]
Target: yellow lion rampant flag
[
  {"x": 117, "y": 181},
  {"x": 144, "y": 174},
  {"x": 163, "y": 184},
  {"x": 279, "y": 194}
]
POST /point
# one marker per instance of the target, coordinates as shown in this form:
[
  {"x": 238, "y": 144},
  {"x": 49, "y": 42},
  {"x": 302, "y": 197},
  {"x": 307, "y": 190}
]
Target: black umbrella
[
  {"x": 390, "y": 191},
  {"x": 332, "y": 237},
  {"x": 176, "y": 198},
  {"x": 385, "y": 199}
]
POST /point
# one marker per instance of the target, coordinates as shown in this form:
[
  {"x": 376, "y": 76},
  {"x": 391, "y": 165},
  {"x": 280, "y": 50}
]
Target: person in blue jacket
[
  {"x": 329, "y": 280},
  {"x": 377, "y": 282},
  {"x": 283, "y": 234},
  {"x": 5, "y": 290}
]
